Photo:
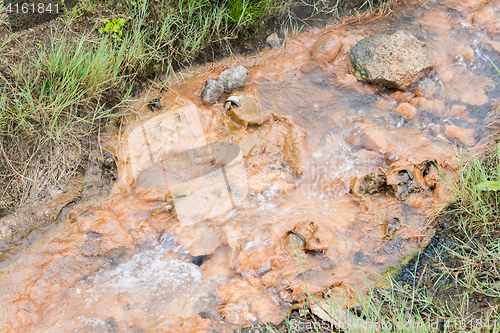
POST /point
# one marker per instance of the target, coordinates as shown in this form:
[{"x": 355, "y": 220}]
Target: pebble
[
  {"x": 108, "y": 161},
  {"x": 326, "y": 47},
  {"x": 154, "y": 104}
]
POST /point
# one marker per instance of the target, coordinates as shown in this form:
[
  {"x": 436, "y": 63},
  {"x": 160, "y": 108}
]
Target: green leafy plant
[
  {"x": 113, "y": 27},
  {"x": 137, "y": 3}
]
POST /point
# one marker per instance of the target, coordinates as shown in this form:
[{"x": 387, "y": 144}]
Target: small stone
[
  {"x": 154, "y": 104},
  {"x": 407, "y": 110},
  {"x": 327, "y": 47},
  {"x": 233, "y": 78},
  {"x": 390, "y": 227},
  {"x": 438, "y": 107},
  {"x": 273, "y": 40},
  {"x": 212, "y": 91},
  {"x": 403, "y": 182},
  {"x": 108, "y": 161},
  {"x": 445, "y": 75},
  {"x": 294, "y": 150},
  {"x": 294, "y": 241},
  {"x": 401, "y": 96},
  {"x": 435, "y": 106},
  {"x": 368, "y": 183}
]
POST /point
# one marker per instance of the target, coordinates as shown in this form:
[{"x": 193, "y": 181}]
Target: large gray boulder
[
  {"x": 394, "y": 60},
  {"x": 233, "y": 78}
]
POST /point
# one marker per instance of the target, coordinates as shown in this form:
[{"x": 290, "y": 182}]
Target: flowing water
[{"x": 215, "y": 225}]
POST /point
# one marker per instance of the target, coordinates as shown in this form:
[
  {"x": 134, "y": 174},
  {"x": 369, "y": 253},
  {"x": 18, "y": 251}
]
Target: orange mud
[{"x": 155, "y": 255}]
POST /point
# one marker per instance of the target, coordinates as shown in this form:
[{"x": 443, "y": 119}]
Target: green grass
[
  {"x": 65, "y": 89},
  {"x": 66, "y": 83},
  {"x": 61, "y": 89}
]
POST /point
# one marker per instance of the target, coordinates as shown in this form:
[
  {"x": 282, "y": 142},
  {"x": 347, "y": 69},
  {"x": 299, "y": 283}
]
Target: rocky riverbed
[{"x": 312, "y": 165}]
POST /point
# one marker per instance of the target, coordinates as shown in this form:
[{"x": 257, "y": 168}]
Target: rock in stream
[
  {"x": 212, "y": 91},
  {"x": 233, "y": 78},
  {"x": 326, "y": 47},
  {"x": 394, "y": 60}
]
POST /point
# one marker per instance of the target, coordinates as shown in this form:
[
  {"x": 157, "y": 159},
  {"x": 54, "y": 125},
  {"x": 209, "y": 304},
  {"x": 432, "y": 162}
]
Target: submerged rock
[
  {"x": 327, "y": 47},
  {"x": 154, "y": 104},
  {"x": 295, "y": 148},
  {"x": 394, "y": 60},
  {"x": 404, "y": 183},
  {"x": 246, "y": 110},
  {"x": 407, "y": 110},
  {"x": 426, "y": 88},
  {"x": 368, "y": 183},
  {"x": 273, "y": 40},
  {"x": 390, "y": 227},
  {"x": 462, "y": 135},
  {"x": 233, "y": 78},
  {"x": 404, "y": 178},
  {"x": 458, "y": 111},
  {"x": 212, "y": 91},
  {"x": 303, "y": 237}
]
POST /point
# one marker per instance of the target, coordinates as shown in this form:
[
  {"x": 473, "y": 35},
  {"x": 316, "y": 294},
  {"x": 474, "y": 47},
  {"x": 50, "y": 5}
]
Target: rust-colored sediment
[{"x": 124, "y": 263}]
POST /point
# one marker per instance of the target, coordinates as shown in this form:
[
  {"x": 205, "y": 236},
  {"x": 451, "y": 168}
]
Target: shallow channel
[{"x": 187, "y": 241}]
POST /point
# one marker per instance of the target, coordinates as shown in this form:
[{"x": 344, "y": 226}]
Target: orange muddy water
[{"x": 204, "y": 229}]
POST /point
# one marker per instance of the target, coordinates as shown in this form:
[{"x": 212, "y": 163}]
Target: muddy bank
[
  {"x": 34, "y": 164},
  {"x": 329, "y": 187}
]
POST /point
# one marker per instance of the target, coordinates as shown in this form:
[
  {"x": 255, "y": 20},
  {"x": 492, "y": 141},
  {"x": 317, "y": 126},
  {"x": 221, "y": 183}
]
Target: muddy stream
[{"x": 217, "y": 224}]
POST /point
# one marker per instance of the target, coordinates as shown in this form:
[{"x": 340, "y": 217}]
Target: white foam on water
[{"x": 159, "y": 285}]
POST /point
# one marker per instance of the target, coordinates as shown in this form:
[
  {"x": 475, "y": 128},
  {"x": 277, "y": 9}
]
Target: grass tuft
[{"x": 61, "y": 89}]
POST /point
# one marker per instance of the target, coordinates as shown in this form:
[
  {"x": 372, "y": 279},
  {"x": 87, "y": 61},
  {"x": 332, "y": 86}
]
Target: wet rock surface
[
  {"x": 246, "y": 109},
  {"x": 327, "y": 47},
  {"x": 390, "y": 227},
  {"x": 233, "y": 78},
  {"x": 155, "y": 104},
  {"x": 369, "y": 184},
  {"x": 426, "y": 88},
  {"x": 395, "y": 60},
  {"x": 407, "y": 110},
  {"x": 212, "y": 91},
  {"x": 462, "y": 135},
  {"x": 109, "y": 161}
]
